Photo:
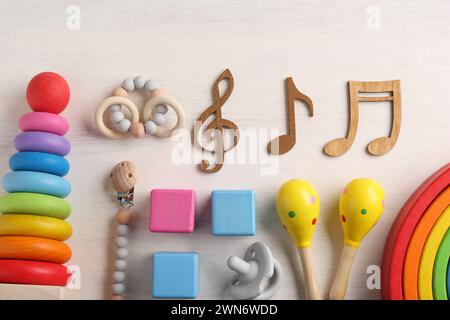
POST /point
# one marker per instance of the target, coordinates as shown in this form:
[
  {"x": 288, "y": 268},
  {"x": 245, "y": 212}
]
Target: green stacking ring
[{"x": 34, "y": 203}]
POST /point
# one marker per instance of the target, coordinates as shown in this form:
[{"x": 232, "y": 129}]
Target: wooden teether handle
[
  {"x": 311, "y": 288},
  {"x": 340, "y": 283}
]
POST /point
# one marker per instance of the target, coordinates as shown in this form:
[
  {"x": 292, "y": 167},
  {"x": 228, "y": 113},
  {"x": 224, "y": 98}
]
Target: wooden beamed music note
[
  {"x": 284, "y": 143},
  {"x": 379, "y": 146},
  {"x": 218, "y": 125}
]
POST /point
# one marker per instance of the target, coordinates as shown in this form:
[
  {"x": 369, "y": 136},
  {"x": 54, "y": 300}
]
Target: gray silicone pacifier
[{"x": 258, "y": 274}]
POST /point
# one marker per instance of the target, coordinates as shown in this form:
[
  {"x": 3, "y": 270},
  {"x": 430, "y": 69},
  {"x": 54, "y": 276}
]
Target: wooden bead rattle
[
  {"x": 153, "y": 114},
  {"x": 258, "y": 274},
  {"x": 298, "y": 208},
  {"x": 360, "y": 206},
  {"x": 124, "y": 179}
]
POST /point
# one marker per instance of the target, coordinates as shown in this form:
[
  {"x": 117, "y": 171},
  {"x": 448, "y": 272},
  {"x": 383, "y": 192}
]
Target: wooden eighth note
[
  {"x": 379, "y": 146},
  {"x": 219, "y": 124},
  {"x": 284, "y": 143}
]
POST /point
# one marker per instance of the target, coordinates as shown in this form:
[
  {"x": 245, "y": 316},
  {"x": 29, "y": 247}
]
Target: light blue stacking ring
[
  {"x": 39, "y": 161},
  {"x": 36, "y": 182}
]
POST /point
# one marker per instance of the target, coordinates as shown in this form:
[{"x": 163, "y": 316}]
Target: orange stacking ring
[{"x": 34, "y": 248}]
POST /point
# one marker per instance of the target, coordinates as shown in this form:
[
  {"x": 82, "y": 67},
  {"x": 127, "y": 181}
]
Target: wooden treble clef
[{"x": 219, "y": 124}]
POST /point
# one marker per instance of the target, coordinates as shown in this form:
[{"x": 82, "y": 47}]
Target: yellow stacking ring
[
  {"x": 34, "y": 203},
  {"x": 34, "y": 226}
]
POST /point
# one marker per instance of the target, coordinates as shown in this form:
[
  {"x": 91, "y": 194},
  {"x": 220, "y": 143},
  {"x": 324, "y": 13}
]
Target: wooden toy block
[
  {"x": 401, "y": 232},
  {"x": 34, "y": 292},
  {"x": 175, "y": 275},
  {"x": 172, "y": 210},
  {"x": 233, "y": 212}
]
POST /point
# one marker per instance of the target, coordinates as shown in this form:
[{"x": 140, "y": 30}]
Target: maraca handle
[
  {"x": 311, "y": 287},
  {"x": 340, "y": 283}
]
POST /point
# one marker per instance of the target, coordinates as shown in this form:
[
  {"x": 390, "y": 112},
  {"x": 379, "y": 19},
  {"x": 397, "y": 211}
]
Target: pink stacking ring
[
  {"x": 42, "y": 142},
  {"x": 44, "y": 121}
]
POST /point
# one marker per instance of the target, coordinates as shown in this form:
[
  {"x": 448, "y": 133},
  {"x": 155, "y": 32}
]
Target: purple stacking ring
[{"x": 42, "y": 142}]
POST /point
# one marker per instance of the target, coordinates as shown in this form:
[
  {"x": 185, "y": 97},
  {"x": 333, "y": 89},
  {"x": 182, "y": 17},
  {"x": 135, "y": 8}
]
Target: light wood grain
[
  {"x": 185, "y": 45},
  {"x": 340, "y": 283},
  {"x": 32, "y": 292},
  {"x": 379, "y": 146},
  {"x": 284, "y": 143},
  {"x": 309, "y": 274}
]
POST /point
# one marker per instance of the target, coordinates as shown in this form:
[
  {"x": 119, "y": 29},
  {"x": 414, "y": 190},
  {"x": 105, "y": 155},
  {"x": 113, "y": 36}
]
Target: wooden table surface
[{"x": 186, "y": 45}]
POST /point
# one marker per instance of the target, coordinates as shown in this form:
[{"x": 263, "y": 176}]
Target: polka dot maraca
[
  {"x": 32, "y": 225},
  {"x": 360, "y": 205},
  {"x": 298, "y": 208}
]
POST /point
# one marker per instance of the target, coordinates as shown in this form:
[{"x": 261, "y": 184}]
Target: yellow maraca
[
  {"x": 360, "y": 206},
  {"x": 298, "y": 208}
]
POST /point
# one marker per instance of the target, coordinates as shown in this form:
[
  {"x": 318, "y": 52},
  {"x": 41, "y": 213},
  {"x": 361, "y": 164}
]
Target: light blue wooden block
[
  {"x": 233, "y": 212},
  {"x": 175, "y": 275}
]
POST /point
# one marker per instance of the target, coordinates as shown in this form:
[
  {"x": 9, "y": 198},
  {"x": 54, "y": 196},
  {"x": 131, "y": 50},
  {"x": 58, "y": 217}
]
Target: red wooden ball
[{"x": 48, "y": 92}]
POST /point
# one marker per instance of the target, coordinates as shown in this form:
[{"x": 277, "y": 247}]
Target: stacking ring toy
[
  {"x": 34, "y": 226},
  {"x": 35, "y": 204},
  {"x": 421, "y": 209},
  {"x": 36, "y": 182},
  {"x": 417, "y": 242},
  {"x": 448, "y": 280},
  {"x": 34, "y": 248},
  {"x": 429, "y": 253},
  {"x": 39, "y": 161},
  {"x": 33, "y": 272},
  {"x": 115, "y": 100},
  {"x": 167, "y": 101},
  {"x": 440, "y": 269},
  {"x": 42, "y": 142},
  {"x": 44, "y": 121}
]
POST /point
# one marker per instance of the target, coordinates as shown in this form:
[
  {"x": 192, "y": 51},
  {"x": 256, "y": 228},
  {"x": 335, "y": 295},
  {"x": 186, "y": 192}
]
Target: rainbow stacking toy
[
  {"x": 417, "y": 252},
  {"x": 33, "y": 212}
]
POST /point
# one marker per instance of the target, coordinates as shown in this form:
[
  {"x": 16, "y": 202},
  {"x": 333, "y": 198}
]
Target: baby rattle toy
[
  {"x": 153, "y": 114},
  {"x": 298, "y": 208},
  {"x": 360, "y": 206},
  {"x": 124, "y": 179},
  {"x": 258, "y": 274}
]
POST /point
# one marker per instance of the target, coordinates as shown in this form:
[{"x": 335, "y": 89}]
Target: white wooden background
[{"x": 186, "y": 45}]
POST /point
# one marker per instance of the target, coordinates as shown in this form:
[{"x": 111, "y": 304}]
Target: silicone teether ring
[
  {"x": 105, "y": 105},
  {"x": 168, "y": 101}
]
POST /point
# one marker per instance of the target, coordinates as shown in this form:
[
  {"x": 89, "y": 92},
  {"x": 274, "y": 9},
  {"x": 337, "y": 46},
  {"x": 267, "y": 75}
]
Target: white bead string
[
  {"x": 121, "y": 259},
  {"x": 117, "y": 117}
]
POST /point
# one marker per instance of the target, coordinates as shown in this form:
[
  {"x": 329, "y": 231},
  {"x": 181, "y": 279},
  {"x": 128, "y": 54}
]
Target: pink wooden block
[{"x": 172, "y": 210}]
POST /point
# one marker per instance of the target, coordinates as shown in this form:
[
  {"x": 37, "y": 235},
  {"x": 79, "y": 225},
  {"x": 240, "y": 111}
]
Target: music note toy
[
  {"x": 218, "y": 125},
  {"x": 284, "y": 143},
  {"x": 298, "y": 208},
  {"x": 360, "y": 205},
  {"x": 379, "y": 146}
]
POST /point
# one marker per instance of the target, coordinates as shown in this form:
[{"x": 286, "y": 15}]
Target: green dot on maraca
[
  {"x": 363, "y": 211},
  {"x": 291, "y": 214}
]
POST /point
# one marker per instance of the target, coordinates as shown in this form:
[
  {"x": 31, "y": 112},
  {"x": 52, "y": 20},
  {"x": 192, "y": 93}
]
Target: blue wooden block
[
  {"x": 233, "y": 212},
  {"x": 175, "y": 275}
]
